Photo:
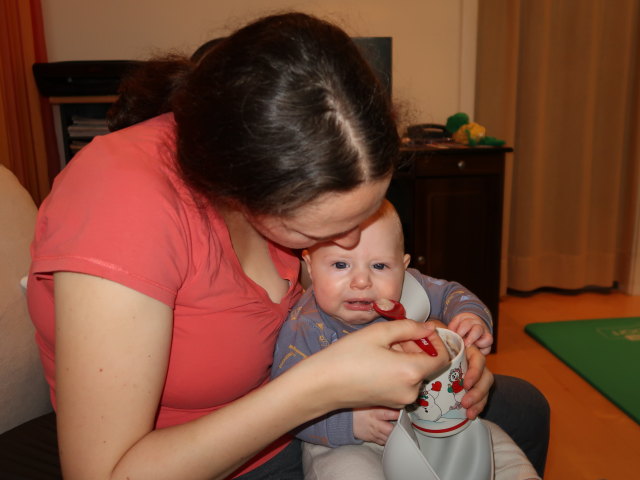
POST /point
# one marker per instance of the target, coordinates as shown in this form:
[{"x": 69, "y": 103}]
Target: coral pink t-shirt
[{"x": 120, "y": 211}]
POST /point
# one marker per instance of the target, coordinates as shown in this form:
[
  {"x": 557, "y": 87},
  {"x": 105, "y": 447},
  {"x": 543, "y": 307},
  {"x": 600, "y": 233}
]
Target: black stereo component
[{"x": 81, "y": 78}]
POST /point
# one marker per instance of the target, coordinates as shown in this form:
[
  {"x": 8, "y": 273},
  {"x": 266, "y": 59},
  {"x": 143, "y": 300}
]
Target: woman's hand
[
  {"x": 378, "y": 365},
  {"x": 478, "y": 379},
  {"x": 473, "y": 330},
  {"x": 374, "y": 424},
  {"x": 477, "y": 382}
]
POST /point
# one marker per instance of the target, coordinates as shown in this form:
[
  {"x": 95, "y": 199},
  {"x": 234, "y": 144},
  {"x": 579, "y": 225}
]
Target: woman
[{"x": 162, "y": 264}]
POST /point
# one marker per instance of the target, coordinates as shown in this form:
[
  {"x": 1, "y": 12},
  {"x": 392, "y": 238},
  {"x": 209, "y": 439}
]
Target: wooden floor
[{"x": 591, "y": 439}]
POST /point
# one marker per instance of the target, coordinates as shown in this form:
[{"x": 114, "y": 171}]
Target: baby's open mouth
[{"x": 360, "y": 304}]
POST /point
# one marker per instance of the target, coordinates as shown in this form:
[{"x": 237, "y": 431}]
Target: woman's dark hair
[{"x": 273, "y": 116}]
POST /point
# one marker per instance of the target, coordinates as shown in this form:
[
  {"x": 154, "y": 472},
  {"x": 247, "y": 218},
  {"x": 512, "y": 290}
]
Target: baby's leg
[
  {"x": 364, "y": 462},
  {"x": 510, "y": 462},
  {"x": 349, "y": 462}
]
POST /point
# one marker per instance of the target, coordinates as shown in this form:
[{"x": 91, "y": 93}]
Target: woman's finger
[
  {"x": 476, "y": 364},
  {"x": 476, "y": 398}
]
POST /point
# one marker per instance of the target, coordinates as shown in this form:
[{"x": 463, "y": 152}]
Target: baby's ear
[
  {"x": 305, "y": 270},
  {"x": 307, "y": 260},
  {"x": 406, "y": 259}
]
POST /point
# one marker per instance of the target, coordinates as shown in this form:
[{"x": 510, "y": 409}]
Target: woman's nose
[{"x": 349, "y": 239}]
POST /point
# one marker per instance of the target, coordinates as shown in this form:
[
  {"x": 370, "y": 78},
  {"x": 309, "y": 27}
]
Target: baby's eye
[
  {"x": 379, "y": 266},
  {"x": 340, "y": 265}
]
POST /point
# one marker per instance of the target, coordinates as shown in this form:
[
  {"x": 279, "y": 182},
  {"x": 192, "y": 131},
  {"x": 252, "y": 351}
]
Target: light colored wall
[{"x": 434, "y": 41}]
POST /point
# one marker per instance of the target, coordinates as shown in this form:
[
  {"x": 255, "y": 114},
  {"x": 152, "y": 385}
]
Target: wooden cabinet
[{"x": 450, "y": 204}]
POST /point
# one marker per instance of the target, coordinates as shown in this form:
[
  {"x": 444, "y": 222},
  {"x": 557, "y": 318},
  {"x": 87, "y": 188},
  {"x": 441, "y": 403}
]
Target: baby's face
[{"x": 347, "y": 281}]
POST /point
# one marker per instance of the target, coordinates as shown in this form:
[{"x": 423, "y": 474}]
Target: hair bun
[{"x": 146, "y": 92}]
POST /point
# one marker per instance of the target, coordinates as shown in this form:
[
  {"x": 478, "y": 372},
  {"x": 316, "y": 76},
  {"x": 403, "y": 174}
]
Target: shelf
[{"x": 87, "y": 99}]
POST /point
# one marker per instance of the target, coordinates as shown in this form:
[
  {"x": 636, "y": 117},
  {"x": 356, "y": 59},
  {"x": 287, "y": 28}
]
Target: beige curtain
[
  {"x": 23, "y": 144},
  {"x": 559, "y": 80}
]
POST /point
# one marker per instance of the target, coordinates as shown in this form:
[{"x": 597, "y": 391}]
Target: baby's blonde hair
[
  {"x": 386, "y": 210},
  {"x": 389, "y": 211}
]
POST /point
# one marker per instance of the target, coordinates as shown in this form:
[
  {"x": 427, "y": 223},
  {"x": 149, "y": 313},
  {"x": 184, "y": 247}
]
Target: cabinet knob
[
  {"x": 461, "y": 164},
  {"x": 421, "y": 260}
]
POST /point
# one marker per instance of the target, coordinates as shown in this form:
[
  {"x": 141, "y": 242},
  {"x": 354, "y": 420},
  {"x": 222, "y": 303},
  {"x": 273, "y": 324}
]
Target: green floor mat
[{"x": 605, "y": 352}]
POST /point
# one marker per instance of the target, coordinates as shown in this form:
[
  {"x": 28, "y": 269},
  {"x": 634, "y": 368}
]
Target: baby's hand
[
  {"x": 373, "y": 424},
  {"x": 473, "y": 330}
]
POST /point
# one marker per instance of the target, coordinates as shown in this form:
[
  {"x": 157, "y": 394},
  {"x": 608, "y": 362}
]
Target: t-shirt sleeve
[{"x": 116, "y": 219}]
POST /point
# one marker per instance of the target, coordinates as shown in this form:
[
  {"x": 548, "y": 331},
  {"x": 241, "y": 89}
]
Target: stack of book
[{"x": 83, "y": 129}]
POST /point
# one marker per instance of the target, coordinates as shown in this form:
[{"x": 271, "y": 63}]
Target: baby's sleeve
[
  {"x": 448, "y": 299},
  {"x": 300, "y": 337}
]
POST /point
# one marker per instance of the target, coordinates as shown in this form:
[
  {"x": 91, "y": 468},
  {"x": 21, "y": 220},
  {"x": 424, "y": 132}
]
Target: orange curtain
[
  {"x": 23, "y": 136},
  {"x": 559, "y": 81}
]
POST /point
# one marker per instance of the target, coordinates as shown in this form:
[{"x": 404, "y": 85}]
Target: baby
[{"x": 345, "y": 283}]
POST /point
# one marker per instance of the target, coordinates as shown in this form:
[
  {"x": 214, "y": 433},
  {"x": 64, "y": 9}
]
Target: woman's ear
[{"x": 407, "y": 259}]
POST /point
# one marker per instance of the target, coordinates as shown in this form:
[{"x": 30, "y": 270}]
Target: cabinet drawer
[{"x": 429, "y": 164}]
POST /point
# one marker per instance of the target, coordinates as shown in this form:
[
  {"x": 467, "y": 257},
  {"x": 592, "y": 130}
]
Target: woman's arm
[{"x": 112, "y": 349}]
